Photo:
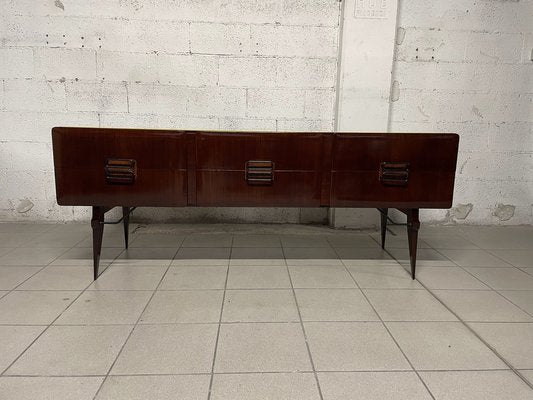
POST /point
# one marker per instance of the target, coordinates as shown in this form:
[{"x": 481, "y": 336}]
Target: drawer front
[
  {"x": 120, "y": 167},
  {"x": 401, "y": 170},
  {"x": 231, "y": 151},
  {"x": 231, "y": 188},
  {"x": 258, "y": 169}
]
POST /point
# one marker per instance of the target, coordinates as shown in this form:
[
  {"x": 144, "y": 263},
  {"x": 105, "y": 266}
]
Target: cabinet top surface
[{"x": 65, "y": 129}]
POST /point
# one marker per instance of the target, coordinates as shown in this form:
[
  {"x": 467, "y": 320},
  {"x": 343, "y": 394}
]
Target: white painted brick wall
[
  {"x": 465, "y": 66},
  {"x": 190, "y": 64}
]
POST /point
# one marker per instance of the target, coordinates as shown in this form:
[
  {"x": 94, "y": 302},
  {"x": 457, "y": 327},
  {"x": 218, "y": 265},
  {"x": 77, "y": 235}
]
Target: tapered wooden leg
[
  {"x": 97, "y": 223},
  {"x": 126, "y": 220},
  {"x": 413, "y": 224},
  {"x": 384, "y": 213}
]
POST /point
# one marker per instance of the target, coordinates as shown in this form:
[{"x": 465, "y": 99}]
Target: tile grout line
[
  {"x": 302, "y": 324},
  {"x": 55, "y": 319},
  {"x": 386, "y": 327},
  {"x": 212, "y": 374},
  {"x": 135, "y": 324},
  {"x": 484, "y": 283},
  {"x": 467, "y": 326}
]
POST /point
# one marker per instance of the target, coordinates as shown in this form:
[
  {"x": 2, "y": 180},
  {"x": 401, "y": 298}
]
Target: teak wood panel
[
  {"x": 81, "y": 155},
  {"x": 357, "y": 158},
  {"x": 221, "y": 160},
  {"x": 178, "y": 168}
]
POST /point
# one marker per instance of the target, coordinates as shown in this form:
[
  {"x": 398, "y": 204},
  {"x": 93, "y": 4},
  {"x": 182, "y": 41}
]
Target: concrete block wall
[
  {"x": 188, "y": 64},
  {"x": 466, "y": 66}
]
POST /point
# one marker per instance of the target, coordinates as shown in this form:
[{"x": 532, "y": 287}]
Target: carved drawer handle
[
  {"x": 394, "y": 173},
  {"x": 259, "y": 173},
  {"x": 120, "y": 171}
]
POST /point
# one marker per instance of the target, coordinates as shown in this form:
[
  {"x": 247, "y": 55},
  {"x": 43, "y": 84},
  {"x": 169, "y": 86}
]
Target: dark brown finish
[
  {"x": 384, "y": 214},
  {"x": 104, "y": 168},
  {"x": 97, "y": 224}
]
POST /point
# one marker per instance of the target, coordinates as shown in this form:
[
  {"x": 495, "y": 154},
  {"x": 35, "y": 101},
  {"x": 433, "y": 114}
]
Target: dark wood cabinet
[{"x": 105, "y": 168}]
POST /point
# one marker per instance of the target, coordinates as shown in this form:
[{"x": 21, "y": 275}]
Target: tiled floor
[{"x": 261, "y": 312}]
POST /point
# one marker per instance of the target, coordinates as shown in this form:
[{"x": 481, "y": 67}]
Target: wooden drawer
[
  {"x": 231, "y": 151},
  {"x": 400, "y": 170},
  {"x": 154, "y": 173},
  {"x": 230, "y": 188},
  {"x": 222, "y": 162}
]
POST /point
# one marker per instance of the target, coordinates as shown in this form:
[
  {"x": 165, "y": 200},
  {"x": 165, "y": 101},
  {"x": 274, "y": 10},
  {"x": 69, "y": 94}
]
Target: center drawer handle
[
  {"x": 258, "y": 172},
  {"x": 394, "y": 173},
  {"x": 119, "y": 171}
]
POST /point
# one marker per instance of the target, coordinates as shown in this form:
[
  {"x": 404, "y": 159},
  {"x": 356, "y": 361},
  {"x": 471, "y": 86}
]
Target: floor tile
[
  {"x": 321, "y": 277},
  {"x": 105, "y": 307},
  {"x": 184, "y": 307},
  {"x": 149, "y": 253},
  {"x": 182, "y": 387},
  {"x": 31, "y": 256},
  {"x": 202, "y": 256},
  {"x": 260, "y": 306},
  {"x": 474, "y": 258},
  {"x": 519, "y": 258},
  {"x": 59, "y": 278},
  {"x": 522, "y": 298},
  {"x": 443, "y": 346},
  {"x": 208, "y": 240},
  {"x": 399, "y": 241},
  {"x": 34, "y": 307},
  {"x": 429, "y": 263},
  {"x": 514, "y": 341},
  {"x": 14, "y": 239},
  {"x": 503, "y": 278},
  {"x": 528, "y": 374},
  {"x": 157, "y": 240},
  {"x": 446, "y": 241},
  {"x": 482, "y": 306},
  {"x": 372, "y": 386},
  {"x": 293, "y": 386},
  {"x": 378, "y": 277},
  {"x": 311, "y": 241},
  {"x": 11, "y": 277},
  {"x": 448, "y": 278},
  {"x": 256, "y": 241},
  {"x": 83, "y": 256},
  {"x": 112, "y": 238},
  {"x": 270, "y": 347},
  {"x": 72, "y": 350},
  {"x": 168, "y": 349},
  {"x": 257, "y": 256},
  {"x": 14, "y": 340},
  {"x": 195, "y": 277},
  {"x": 121, "y": 277},
  {"x": 258, "y": 278},
  {"x": 334, "y": 305},
  {"x": 348, "y": 254},
  {"x": 4, "y": 251},
  {"x": 408, "y": 305},
  {"x": 421, "y": 254},
  {"x": 56, "y": 388},
  {"x": 476, "y": 385},
  {"x": 24, "y": 227},
  {"x": 309, "y": 256},
  {"x": 353, "y": 346},
  {"x": 56, "y": 239},
  {"x": 357, "y": 240}
]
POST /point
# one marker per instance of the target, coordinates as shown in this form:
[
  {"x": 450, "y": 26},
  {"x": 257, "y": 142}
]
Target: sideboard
[{"x": 106, "y": 168}]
